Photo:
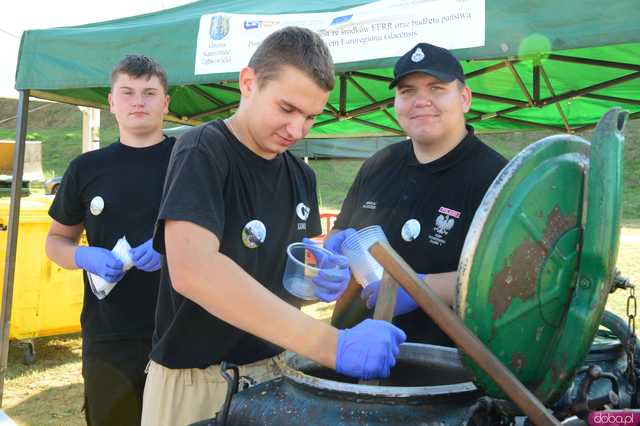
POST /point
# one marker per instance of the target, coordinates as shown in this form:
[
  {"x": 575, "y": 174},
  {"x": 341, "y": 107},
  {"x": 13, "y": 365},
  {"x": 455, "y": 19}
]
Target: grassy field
[{"x": 49, "y": 392}]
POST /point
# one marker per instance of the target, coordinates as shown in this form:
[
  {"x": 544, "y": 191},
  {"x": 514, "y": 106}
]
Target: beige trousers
[{"x": 178, "y": 397}]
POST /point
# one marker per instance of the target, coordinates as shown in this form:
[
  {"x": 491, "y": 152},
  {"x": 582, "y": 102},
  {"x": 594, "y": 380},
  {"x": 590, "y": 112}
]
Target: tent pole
[{"x": 12, "y": 237}]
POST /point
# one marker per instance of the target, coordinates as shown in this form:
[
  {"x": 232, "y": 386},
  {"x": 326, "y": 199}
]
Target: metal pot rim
[{"x": 290, "y": 370}]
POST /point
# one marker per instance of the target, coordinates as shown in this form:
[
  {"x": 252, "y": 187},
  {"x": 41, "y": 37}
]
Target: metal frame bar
[
  {"x": 487, "y": 70},
  {"x": 378, "y": 126},
  {"x": 325, "y": 122},
  {"x": 12, "y": 237},
  {"x": 579, "y": 92},
  {"x": 223, "y": 87},
  {"x": 594, "y": 62},
  {"x": 343, "y": 95},
  {"x": 500, "y": 99},
  {"x": 371, "y": 76},
  {"x": 489, "y": 115},
  {"x": 372, "y": 99},
  {"x": 334, "y": 111},
  {"x": 222, "y": 108},
  {"x": 536, "y": 84},
  {"x": 206, "y": 95},
  {"x": 529, "y": 123},
  {"x": 552, "y": 92},
  {"x": 376, "y": 106},
  {"x": 612, "y": 99},
  {"x": 520, "y": 83}
]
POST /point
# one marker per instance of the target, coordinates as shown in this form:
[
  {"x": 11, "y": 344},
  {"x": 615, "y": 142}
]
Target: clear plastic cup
[
  {"x": 300, "y": 271},
  {"x": 364, "y": 267}
]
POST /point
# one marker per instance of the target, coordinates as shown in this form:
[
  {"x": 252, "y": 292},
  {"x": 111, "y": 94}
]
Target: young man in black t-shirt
[
  {"x": 111, "y": 193},
  {"x": 424, "y": 191},
  {"x": 234, "y": 199}
]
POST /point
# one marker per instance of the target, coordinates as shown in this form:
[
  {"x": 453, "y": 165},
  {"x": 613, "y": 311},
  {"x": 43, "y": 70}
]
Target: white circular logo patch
[
  {"x": 96, "y": 206},
  {"x": 410, "y": 230},
  {"x": 418, "y": 55},
  {"x": 253, "y": 234},
  {"x": 302, "y": 211}
]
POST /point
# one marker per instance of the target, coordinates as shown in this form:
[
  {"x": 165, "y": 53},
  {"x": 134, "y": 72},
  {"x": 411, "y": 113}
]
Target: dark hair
[
  {"x": 298, "y": 47},
  {"x": 137, "y": 66}
]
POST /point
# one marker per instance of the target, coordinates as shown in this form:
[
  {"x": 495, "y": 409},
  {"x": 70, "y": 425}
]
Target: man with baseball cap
[{"x": 423, "y": 191}]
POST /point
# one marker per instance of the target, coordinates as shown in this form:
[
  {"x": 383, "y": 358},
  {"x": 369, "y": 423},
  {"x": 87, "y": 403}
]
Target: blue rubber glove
[
  {"x": 334, "y": 275},
  {"x": 404, "y": 301},
  {"x": 145, "y": 257},
  {"x": 368, "y": 350},
  {"x": 99, "y": 261},
  {"x": 334, "y": 242}
]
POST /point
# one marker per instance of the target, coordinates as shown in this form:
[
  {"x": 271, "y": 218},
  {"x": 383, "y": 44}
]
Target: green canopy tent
[
  {"x": 543, "y": 64},
  {"x": 557, "y": 65}
]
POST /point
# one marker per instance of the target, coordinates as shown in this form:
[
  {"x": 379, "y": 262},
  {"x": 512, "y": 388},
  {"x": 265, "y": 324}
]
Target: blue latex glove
[
  {"x": 368, "y": 350},
  {"x": 145, "y": 257},
  {"x": 334, "y": 242},
  {"x": 334, "y": 275},
  {"x": 404, "y": 301},
  {"x": 99, "y": 261}
]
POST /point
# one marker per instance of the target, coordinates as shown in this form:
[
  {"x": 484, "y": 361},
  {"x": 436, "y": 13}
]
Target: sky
[{"x": 20, "y": 15}]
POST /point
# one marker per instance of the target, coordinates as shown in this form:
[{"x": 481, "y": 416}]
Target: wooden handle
[
  {"x": 385, "y": 305},
  {"x": 386, "y": 301},
  {"x": 468, "y": 342}
]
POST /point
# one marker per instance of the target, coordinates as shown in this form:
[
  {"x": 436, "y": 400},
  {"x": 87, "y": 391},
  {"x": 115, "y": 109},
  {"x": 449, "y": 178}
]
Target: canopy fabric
[{"x": 545, "y": 64}]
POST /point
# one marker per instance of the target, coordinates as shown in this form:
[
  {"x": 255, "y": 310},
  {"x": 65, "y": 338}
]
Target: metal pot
[{"x": 428, "y": 385}]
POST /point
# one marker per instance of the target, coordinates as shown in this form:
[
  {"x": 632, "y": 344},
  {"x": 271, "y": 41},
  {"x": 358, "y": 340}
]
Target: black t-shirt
[
  {"x": 216, "y": 182},
  {"x": 130, "y": 181},
  {"x": 392, "y": 188}
]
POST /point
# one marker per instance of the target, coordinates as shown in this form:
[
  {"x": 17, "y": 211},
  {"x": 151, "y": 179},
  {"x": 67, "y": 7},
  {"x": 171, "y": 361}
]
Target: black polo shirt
[
  {"x": 130, "y": 181},
  {"x": 216, "y": 182},
  {"x": 392, "y": 187}
]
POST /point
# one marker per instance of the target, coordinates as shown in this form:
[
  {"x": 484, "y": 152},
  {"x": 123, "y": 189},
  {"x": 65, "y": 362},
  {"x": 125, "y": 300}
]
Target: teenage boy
[
  {"x": 234, "y": 199},
  {"x": 424, "y": 191},
  {"x": 111, "y": 193}
]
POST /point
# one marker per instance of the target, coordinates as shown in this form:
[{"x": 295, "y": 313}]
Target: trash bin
[{"x": 47, "y": 299}]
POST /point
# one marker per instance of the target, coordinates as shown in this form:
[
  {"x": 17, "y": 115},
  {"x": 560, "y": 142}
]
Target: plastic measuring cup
[
  {"x": 364, "y": 267},
  {"x": 300, "y": 271}
]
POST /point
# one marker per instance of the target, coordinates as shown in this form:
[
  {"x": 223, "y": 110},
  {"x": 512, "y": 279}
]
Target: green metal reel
[{"x": 539, "y": 258}]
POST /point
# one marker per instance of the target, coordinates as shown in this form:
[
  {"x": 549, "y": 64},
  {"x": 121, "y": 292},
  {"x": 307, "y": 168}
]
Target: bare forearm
[
  {"x": 61, "y": 250},
  {"x": 444, "y": 285},
  {"x": 232, "y": 294},
  {"x": 224, "y": 289}
]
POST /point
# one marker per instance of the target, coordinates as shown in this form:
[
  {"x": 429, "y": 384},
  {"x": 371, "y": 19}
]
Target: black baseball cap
[{"x": 428, "y": 59}]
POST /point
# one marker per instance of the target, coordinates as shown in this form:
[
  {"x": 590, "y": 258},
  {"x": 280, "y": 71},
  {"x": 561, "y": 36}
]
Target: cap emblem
[{"x": 418, "y": 55}]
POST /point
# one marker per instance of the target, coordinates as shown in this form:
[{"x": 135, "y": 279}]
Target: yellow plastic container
[{"x": 47, "y": 299}]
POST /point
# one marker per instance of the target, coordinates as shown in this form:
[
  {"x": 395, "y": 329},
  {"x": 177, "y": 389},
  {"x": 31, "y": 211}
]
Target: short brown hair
[
  {"x": 298, "y": 47},
  {"x": 137, "y": 66}
]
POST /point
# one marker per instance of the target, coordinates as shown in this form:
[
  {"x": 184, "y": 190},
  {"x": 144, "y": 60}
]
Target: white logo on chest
[
  {"x": 97, "y": 205},
  {"x": 302, "y": 211},
  {"x": 445, "y": 222}
]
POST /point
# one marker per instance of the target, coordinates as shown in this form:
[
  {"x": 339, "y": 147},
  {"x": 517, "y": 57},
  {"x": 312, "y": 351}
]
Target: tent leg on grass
[{"x": 12, "y": 237}]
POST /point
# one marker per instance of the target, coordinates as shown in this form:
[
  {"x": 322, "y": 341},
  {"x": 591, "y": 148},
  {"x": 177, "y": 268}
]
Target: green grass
[{"x": 50, "y": 391}]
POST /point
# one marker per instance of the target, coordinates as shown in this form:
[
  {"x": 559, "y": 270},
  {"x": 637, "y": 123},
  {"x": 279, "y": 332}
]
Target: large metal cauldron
[{"x": 428, "y": 385}]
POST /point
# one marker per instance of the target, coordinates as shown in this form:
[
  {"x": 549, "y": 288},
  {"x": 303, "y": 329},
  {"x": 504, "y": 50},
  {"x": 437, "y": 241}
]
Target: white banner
[{"x": 383, "y": 29}]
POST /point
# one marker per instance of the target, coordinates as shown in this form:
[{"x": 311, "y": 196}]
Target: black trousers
[{"x": 114, "y": 377}]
